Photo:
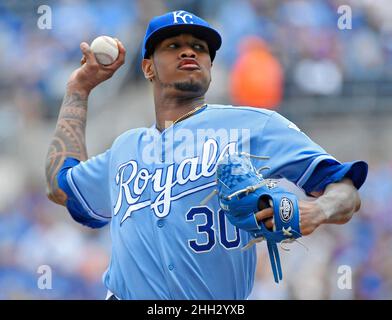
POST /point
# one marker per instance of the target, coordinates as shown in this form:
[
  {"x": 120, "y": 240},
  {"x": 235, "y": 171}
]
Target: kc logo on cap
[
  {"x": 183, "y": 15},
  {"x": 176, "y": 22}
]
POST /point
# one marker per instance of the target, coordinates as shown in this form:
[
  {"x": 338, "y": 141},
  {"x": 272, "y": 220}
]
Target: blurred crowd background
[{"x": 288, "y": 55}]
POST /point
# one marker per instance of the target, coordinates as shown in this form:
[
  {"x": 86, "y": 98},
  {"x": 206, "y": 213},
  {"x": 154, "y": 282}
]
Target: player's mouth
[{"x": 188, "y": 64}]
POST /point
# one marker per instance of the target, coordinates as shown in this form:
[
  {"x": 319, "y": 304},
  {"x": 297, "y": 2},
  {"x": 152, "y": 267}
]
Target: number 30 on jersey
[{"x": 206, "y": 229}]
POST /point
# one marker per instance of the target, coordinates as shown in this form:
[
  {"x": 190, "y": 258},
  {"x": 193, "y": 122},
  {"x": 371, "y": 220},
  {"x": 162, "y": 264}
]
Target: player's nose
[{"x": 188, "y": 52}]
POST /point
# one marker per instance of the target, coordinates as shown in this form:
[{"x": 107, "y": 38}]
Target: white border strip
[{"x": 311, "y": 168}]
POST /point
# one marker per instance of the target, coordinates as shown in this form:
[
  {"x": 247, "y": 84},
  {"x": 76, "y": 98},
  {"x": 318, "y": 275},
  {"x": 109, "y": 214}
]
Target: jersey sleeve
[
  {"x": 294, "y": 156},
  {"x": 86, "y": 184}
]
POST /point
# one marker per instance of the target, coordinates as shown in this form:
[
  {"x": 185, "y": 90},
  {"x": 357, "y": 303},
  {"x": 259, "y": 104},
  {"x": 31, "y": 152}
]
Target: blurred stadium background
[{"x": 336, "y": 85}]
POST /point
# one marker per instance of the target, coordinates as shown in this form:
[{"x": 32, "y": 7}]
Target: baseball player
[{"x": 150, "y": 185}]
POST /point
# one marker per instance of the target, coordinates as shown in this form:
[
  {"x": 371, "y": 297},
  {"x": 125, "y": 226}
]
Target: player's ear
[{"x": 148, "y": 69}]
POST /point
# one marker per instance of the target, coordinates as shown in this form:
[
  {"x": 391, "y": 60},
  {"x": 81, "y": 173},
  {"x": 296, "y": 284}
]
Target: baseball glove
[{"x": 242, "y": 192}]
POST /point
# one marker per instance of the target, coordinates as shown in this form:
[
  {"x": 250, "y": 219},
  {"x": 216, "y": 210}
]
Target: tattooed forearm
[{"x": 68, "y": 141}]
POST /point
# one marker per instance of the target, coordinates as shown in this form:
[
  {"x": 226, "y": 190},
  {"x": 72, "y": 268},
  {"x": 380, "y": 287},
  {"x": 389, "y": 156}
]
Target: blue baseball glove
[{"x": 242, "y": 192}]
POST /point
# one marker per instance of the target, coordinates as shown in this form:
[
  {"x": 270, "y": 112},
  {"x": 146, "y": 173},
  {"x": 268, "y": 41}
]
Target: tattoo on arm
[
  {"x": 68, "y": 141},
  {"x": 340, "y": 201}
]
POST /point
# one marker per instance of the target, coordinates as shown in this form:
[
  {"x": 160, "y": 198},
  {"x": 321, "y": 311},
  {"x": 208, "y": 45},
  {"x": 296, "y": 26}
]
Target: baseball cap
[{"x": 176, "y": 22}]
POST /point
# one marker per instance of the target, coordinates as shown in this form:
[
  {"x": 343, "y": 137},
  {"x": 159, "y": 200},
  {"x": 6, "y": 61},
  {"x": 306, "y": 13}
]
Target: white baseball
[{"x": 105, "y": 49}]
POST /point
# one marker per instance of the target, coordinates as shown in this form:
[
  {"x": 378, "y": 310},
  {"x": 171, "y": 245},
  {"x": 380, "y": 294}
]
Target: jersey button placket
[
  {"x": 160, "y": 223},
  {"x": 162, "y": 148}
]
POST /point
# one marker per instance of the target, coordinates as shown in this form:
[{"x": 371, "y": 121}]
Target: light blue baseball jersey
[{"x": 149, "y": 186}]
